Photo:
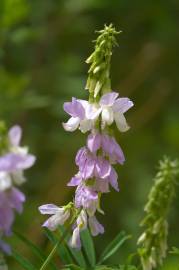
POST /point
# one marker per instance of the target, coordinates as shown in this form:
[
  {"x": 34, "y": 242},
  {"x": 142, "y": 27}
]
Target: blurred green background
[{"x": 43, "y": 46}]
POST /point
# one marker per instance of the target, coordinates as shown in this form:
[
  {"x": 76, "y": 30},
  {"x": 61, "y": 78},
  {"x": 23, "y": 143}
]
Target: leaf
[
  {"x": 77, "y": 255},
  {"x": 35, "y": 249},
  {"x": 88, "y": 245},
  {"x": 174, "y": 251},
  {"x": 72, "y": 267},
  {"x": 62, "y": 251},
  {"x": 23, "y": 261},
  {"x": 113, "y": 246}
]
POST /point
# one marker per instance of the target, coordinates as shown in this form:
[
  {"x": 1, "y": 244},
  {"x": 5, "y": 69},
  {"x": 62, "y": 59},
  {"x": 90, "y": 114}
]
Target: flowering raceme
[
  {"x": 14, "y": 159},
  {"x": 96, "y": 159}
]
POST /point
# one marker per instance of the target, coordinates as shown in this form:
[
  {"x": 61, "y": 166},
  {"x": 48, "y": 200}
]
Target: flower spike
[{"x": 95, "y": 160}]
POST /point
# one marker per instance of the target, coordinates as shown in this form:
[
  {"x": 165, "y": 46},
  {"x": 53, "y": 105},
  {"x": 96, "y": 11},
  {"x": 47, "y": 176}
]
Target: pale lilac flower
[
  {"x": 9, "y": 200},
  {"x": 59, "y": 215},
  {"x": 112, "y": 109},
  {"x": 78, "y": 109},
  {"x": 15, "y": 161},
  {"x": 95, "y": 227}
]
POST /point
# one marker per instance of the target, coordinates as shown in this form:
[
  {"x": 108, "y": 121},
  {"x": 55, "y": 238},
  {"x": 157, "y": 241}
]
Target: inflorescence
[
  {"x": 96, "y": 159},
  {"x": 14, "y": 159}
]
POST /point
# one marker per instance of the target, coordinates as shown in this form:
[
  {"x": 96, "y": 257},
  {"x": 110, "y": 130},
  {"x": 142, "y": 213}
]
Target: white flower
[
  {"x": 113, "y": 109},
  {"x": 59, "y": 215}
]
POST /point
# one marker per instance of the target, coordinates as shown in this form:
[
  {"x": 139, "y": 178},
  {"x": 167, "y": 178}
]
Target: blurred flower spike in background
[{"x": 14, "y": 159}]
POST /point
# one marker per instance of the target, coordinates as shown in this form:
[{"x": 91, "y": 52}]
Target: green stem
[{"x": 53, "y": 251}]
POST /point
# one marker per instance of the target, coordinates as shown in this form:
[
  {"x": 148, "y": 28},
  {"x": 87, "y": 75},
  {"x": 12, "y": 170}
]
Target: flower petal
[
  {"x": 74, "y": 108},
  {"x": 5, "y": 181},
  {"x": 92, "y": 111},
  {"x": 85, "y": 125},
  {"x": 94, "y": 142},
  {"x": 72, "y": 124},
  {"x": 121, "y": 122},
  {"x": 95, "y": 227},
  {"x": 15, "y": 134},
  {"x": 75, "y": 181},
  {"x": 16, "y": 199},
  {"x": 75, "y": 241},
  {"x": 113, "y": 179},
  {"x": 122, "y": 105},
  {"x": 107, "y": 115},
  {"x": 108, "y": 99},
  {"x": 50, "y": 209}
]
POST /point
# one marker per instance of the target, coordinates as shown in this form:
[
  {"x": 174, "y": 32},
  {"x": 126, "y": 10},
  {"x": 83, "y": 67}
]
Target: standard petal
[
  {"x": 122, "y": 105},
  {"x": 74, "y": 108},
  {"x": 50, "y": 209},
  {"x": 121, "y": 122},
  {"x": 92, "y": 111},
  {"x": 15, "y": 134},
  {"x": 108, "y": 99},
  {"x": 107, "y": 115},
  {"x": 72, "y": 124}
]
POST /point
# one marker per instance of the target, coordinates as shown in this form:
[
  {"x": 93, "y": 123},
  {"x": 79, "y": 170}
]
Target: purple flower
[
  {"x": 92, "y": 166},
  {"x": 78, "y": 109},
  {"x": 95, "y": 227},
  {"x": 59, "y": 215},
  {"x": 18, "y": 157},
  {"x": 109, "y": 146},
  {"x": 9, "y": 200},
  {"x": 112, "y": 149},
  {"x": 87, "y": 198}
]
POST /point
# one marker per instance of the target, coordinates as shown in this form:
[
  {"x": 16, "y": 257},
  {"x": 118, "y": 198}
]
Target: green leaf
[
  {"x": 88, "y": 245},
  {"x": 35, "y": 249},
  {"x": 72, "y": 267},
  {"x": 23, "y": 261},
  {"x": 174, "y": 251},
  {"x": 77, "y": 255},
  {"x": 62, "y": 251},
  {"x": 113, "y": 247}
]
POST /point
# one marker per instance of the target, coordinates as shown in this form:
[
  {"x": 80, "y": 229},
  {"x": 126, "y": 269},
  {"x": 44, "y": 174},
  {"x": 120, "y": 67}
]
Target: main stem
[{"x": 52, "y": 253}]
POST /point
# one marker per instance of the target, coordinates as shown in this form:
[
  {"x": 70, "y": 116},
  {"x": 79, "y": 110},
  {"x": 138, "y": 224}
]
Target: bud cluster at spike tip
[
  {"x": 95, "y": 161},
  {"x": 14, "y": 159}
]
